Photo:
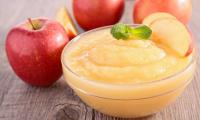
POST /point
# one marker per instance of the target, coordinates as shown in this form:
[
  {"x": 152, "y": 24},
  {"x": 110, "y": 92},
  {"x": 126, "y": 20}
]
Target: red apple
[
  {"x": 34, "y": 49},
  {"x": 91, "y": 14},
  {"x": 181, "y": 9}
]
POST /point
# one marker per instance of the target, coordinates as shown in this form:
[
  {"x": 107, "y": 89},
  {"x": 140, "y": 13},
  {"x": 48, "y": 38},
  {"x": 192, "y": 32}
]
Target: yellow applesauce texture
[{"x": 99, "y": 56}]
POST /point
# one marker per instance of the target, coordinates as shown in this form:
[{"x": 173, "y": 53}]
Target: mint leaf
[
  {"x": 121, "y": 31},
  {"x": 126, "y": 32},
  {"x": 141, "y": 32}
]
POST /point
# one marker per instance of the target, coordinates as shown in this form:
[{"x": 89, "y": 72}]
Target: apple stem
[{"x": 30, "y": 21}]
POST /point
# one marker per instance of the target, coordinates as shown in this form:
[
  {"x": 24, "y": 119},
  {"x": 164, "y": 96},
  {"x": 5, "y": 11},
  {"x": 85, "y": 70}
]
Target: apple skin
[
  {"x": 191, "y": 46},
  {"x": 91, "y": 14},
  {"x": 181, "y": 9},
  {"x": 34, "y": 55}
]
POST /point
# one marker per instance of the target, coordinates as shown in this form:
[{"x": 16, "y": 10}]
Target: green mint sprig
[{"x": 126, "y": 32}]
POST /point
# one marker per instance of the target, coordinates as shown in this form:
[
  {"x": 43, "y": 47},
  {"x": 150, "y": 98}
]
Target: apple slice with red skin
[
  {"x": 191, "y": 47},
  {"x": 173, "y": 34},
  {"x": 149, "y": 20},
  {"x": 64, "y": 18}
]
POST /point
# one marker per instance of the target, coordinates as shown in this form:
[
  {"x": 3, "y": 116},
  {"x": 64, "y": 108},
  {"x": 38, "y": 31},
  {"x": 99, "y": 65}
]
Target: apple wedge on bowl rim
[{"x": 167, "y": 30}]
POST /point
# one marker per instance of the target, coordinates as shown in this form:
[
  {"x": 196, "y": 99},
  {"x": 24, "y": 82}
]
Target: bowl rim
[
  {"x": 139, "y": 98},
  {"x": 119, "y": 85}
]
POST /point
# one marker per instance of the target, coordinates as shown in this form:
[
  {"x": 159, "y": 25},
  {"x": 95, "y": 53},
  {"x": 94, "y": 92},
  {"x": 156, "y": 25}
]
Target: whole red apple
[
  {"x": 181, "y": 9},
  {"x": 91, "y": 14},
  {"x": 34, "y": 49}
]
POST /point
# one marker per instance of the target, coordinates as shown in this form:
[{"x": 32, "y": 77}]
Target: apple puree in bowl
[
  {"x": 108, "y": 60},
  {"x": 139, "y": 69}
]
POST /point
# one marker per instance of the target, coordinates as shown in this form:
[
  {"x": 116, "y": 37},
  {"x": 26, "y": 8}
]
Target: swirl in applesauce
[{"x": 99, "y": 56}]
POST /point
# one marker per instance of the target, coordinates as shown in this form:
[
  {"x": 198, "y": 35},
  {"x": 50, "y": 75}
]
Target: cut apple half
[
  {"x": 158, "y": 15},
  {"x": 65, "y": 20},
  {"x": 173, "y": 34}
]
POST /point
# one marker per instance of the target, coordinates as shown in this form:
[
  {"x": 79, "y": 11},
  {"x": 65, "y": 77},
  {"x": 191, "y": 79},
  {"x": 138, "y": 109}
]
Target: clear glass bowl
[{"x": 128, "y": 101}]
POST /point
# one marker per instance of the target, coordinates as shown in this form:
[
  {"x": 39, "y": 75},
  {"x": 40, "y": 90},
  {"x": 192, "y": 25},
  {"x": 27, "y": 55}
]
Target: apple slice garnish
[
  {"x": 173, "y": 34},
  {"x": 191, "y": 47},
  {"x": 154, "y": 16},
  {"x": 65, "y": 20}
]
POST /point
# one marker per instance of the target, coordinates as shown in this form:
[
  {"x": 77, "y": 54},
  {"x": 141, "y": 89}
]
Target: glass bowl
[{"x": 129, "y": 100}]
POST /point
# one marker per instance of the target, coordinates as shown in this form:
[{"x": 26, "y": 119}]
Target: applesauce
[{"x": 124, "y": 78}]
